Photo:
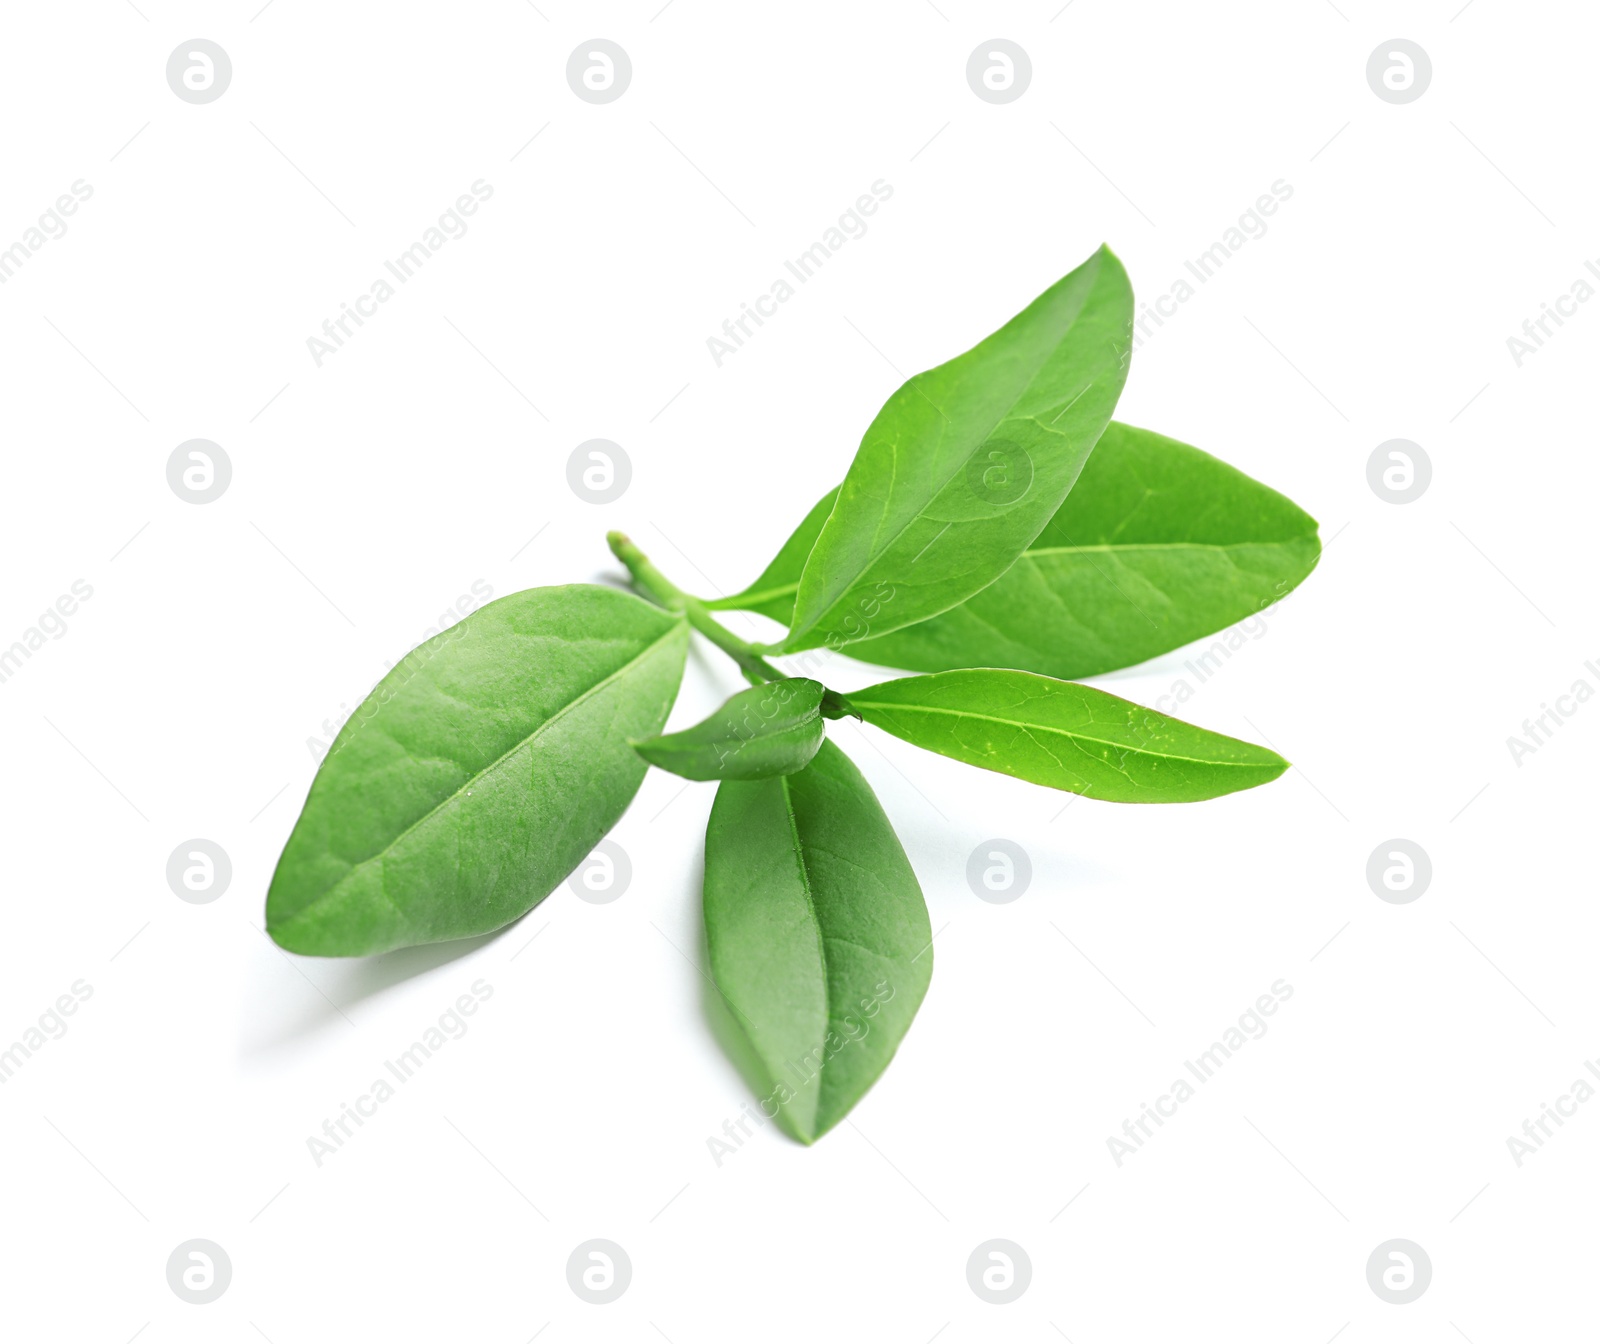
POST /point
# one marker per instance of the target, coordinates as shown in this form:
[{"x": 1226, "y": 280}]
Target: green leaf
[
  {"x": 478, "y": 773},
  {"x": 767, "y": 730},
  {"x": 818, "y": 935},
  {"x": 1157, "y": 545},
  {"x": 772, "y": 595},
  {"x": 1065, "y": 736},
  {"x": 966, "y": 463}
]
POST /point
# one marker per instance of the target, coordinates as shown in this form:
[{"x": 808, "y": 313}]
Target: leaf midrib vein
[
  {"x": 879, "y": 552},
  {"x": 816, "y": 923},
  {"x": 492, "y": 766},
  {"x": 1035, "y": 552},
  {"x": 1046, "y": 728},
  {"x": 759, "y": 595}
]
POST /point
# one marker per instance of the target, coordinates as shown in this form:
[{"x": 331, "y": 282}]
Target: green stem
[{"x": 657, "y": 586}]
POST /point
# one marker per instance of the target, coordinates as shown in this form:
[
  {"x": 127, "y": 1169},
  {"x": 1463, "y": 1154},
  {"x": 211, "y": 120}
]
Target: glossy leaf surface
[
  {"x": 966, "y": 463},
  {"x": 1065, "y": 736},
  {"x": 1157, "y": 545}
]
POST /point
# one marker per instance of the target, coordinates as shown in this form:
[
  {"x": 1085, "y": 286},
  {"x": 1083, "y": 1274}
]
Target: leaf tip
[
  {"x": 805, "y": 1135},
  {"x": 1276, "y": 764},
  {"x": 1104, "y": 253}
]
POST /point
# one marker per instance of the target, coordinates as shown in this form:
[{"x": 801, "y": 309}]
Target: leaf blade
[
  {"x": 1159, "y": 544},
  {"x": 478, "y": 773},
  {"x": 1065, "y": 736},
  {"x": 967, "y": 462},
  {"x": 818, "y": 935},
  {"x": 773, "y": 729},
  {"x": 1109, "y": 582},
  {"x": 772, "y": 593}
]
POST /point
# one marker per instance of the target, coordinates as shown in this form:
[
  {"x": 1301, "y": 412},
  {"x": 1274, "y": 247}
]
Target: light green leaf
[
  {"x": 966, "y": 463},
  {"x": 774, "y": 729},
  {"x": 818, "y": 934},
  {"x": 772, "y": 595},
  {"x": 478, "y": 773},
  {"x": 1065, "y": 736},
  {"x": 1157, "y": 545}
]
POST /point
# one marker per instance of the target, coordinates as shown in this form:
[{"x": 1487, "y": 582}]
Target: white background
[{"x": 369, "y": 493}]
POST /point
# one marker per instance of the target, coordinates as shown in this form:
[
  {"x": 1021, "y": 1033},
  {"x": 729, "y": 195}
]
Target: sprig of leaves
[{"x": 996, "y": 532}]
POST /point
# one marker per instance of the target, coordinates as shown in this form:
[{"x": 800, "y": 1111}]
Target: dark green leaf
[
  {"x": 478, "y": 773},
  {"x": 1065, "y": 736},
  {"x": 767, "y": 730},
  {"x": 818, "y": 935},
  {"x": 966, "y": 463}
]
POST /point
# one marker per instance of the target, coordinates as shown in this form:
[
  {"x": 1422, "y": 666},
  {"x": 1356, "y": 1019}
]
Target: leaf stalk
[{"x": 655, "y": 585}]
